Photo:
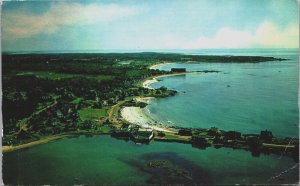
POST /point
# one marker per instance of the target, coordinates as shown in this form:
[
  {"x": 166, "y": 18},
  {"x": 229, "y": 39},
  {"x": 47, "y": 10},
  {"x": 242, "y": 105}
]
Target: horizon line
[{"x": 144, "y": 50}]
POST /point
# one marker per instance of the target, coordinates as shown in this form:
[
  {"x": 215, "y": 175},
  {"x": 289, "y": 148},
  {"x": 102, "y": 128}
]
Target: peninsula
[{"x": 51, "y": 96}]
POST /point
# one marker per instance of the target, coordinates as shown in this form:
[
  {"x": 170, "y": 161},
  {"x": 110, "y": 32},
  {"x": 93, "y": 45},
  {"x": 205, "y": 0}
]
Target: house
[
  {"x": 232, "y": 135},
  {"x": 59, "y": 114},
  {"x": 200, "y": 142},
  {"x": 185, "y": 132},
  {"x": 266, "y": 136},
  {"x": 186, "y": 58},
  {"x": 123, "y": 132},
  {"x": 143, "y": 135}
]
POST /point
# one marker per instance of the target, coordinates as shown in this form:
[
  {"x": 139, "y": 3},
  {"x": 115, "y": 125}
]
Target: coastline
[
  {"x": 158, "y": 65},
  {"x": 47, "y": 139},
  {"x": 6, "y": 149},
  {"x": 148, "y": 81},
  {"x": 141, "y": 118},
  {"x": 138, "y": 116}
]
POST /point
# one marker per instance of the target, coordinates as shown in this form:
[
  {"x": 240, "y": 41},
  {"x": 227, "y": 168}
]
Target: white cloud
[
  {"x": 266, "y": 35},
  {"x": 21, "y": 24},
  {"x": 269, "y": 35}
]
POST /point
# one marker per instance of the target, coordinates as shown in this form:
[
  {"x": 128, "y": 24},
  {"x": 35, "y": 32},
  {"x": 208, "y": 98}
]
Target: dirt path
[
  {"x": 41, "y": 141},
  {"x": 113, "y": 113},
  {"x": 23, "y": 122}
]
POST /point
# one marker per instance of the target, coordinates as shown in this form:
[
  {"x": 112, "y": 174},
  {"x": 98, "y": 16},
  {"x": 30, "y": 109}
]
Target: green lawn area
[
  {"x": 91, "y": 113},
  {"x": 105, "y": 129},
  {"x": 176, "y": 137},
  {"x": 133, "y": 73},
  {"x": 57, "y": 76},
  {"x": 76, "y": 101}
]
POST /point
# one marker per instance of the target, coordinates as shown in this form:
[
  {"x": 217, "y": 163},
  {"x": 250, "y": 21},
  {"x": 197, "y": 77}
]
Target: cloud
[
  {"x": 22, "y": 24},
  {"x": 266, "y": 35}
]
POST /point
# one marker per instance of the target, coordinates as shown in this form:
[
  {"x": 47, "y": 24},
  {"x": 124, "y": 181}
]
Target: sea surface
[
  {"x": 243, "y": 97},
  {"x": 100, "y": 160}
]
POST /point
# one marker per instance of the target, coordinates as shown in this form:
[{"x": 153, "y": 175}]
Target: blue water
[
  {"x": 261, "y": 96},
  {"x": 243, "y": 97},
  {"x": 101, "y": 160}
]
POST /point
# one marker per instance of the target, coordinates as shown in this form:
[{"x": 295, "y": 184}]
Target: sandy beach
[
  {"x": 144, "y": 99},
  {"x": 146, "y": 83},
  {"x": 158, "y": 65},
  {"x": 138, "y": 116}
]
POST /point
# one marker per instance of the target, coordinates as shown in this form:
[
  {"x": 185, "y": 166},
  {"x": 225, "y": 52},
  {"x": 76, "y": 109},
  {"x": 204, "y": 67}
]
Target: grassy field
[
  {"x": 76, "y": 101},
  {"x": 93, "y": 114},
  {"x": 58, "y": 76},
  {"x": 105, "y": 129},
  {"x": 170, "y": 136},
  {"x": 133, "y": 73}
]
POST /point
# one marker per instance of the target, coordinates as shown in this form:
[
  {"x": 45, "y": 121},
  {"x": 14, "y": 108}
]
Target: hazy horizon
[
  {"x": 149, "y": 25},
  {"x": 146, "y": 50}
]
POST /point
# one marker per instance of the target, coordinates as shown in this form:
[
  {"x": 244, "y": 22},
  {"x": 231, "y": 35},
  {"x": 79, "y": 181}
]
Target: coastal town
[
  {"x": 121, "y": 115},
  {"x": 263, "y": 143},
  {"x": 170, "y": 93}
]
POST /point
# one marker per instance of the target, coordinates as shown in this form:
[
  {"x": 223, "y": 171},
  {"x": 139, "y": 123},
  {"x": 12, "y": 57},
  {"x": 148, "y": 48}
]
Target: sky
[{"x": 149, "y": 25}]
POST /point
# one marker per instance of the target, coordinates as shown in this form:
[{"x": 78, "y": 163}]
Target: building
[
  {"x": 143, "y": 135},
  {"x": 123, "y": 132},
  {"x": 266, "y": 136},
  {"x": 185, "y": 132}
]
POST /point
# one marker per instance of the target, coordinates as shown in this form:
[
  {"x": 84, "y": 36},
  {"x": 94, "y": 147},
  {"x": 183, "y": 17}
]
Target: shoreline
[
  {"x": 138, "y": 116},
  {"x": 141, "y": 118},
  {"x": 148, "y": 81},
  {"x": 47, "y": 139},
  {"x": 158, "y": 65},
  {"x": 6, "y": 149},
  {"x": 144, "y": 120}
]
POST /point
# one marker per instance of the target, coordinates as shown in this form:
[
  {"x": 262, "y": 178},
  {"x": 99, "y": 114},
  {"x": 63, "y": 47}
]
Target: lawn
[
  {"x": 134, "y": 73},
  {"x": 105, "y": 129},
  {"x": 58, "y": 76},
  {"x": 93, "y": 114},
  {"x": 76, "y": 101},
  {"x": 176, "y": 137}
]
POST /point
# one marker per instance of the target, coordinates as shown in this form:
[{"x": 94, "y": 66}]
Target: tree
[
  {"x": 163, "y": 88},
  {"x": 158, "y": 91}
]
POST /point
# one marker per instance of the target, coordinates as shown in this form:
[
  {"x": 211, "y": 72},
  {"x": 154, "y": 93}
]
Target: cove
[
  {"x": 105, "y": 160},
  {"x": 243, "y": 97}
]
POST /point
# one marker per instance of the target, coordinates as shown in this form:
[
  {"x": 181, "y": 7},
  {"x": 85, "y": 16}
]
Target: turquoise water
[
  {"x": 259, "y": 96},
  {"x": 105, "y": 160},
  {"x": 243, "y": 97}
]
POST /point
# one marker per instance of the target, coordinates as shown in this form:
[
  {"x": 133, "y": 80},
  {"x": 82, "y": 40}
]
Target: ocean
[
  {"x": 102, "y": 160},
  {"x": 243, "y": 97}
]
